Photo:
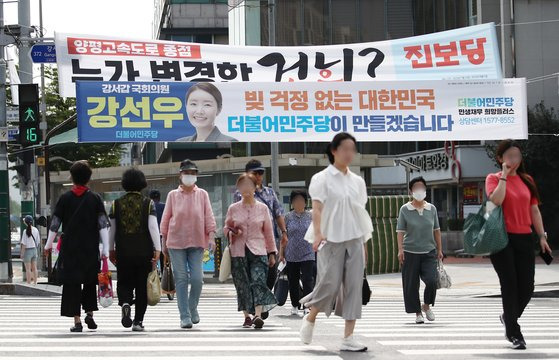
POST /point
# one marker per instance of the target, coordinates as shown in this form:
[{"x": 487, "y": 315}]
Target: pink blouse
[
  {"x": 187, "y": 220},
  {"x": 256, "y": 229}
]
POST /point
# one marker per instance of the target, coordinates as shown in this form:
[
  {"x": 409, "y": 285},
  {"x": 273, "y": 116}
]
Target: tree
[
  {"x": 540, "y": 158},
  {"x": 60, "y": 109}
]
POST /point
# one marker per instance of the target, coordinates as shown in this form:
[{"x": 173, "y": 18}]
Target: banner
[
  {"x": 437, "y": 110},
  {"x": 465, "y": 53}
]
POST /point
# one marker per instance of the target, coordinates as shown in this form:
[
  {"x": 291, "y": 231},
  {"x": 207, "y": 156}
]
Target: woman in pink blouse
[
  {"x": 188, "y": 228},
  {"x": 253, "y": 250}
]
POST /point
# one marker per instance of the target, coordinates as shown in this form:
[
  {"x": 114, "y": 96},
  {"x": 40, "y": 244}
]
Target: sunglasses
[{"x": 259, "y": 172}]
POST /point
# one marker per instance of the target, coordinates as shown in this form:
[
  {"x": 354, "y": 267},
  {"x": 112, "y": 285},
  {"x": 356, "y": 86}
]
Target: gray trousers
[
  {"x": 339, "y": 280},
  {"x": 416, "y": 267}
]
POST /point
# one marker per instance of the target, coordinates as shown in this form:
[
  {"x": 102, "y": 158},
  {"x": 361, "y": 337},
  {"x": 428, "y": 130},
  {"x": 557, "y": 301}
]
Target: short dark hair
[
  {"x": 134, "y": 180},
  {"x": 155, "y": 195},
  {"x": 252, "y": 164},
  {"x": 416, "y": 180},
  {"x": 210, "y": 89},
  {"x": 299, "y": 192},
  {"x": 81, "y": 172},
  {"x": 336, "y": 141}
]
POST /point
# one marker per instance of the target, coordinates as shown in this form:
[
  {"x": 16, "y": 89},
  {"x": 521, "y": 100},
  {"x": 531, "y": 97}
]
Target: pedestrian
[
  {"x": 516, "y": 192},
  {"x": 30, "y": 241},
  {"x": 253, "y": 251},
  {"x": 188, "y": 228},
  {"x": 85, "y": 224},
  {"x": 298, "y": 252},
  {"x": 134, "y": 245},
  {"x": 155, "y": 195},
  {"x": 268, "y": 197},
  {"x": 419, "y": 247},
  {"x": 340, "y": 227}
]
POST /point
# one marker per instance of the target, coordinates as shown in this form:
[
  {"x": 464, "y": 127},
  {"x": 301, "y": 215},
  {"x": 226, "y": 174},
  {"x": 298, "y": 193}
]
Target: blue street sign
[
  {"x": 43, "y": 53},
  {"x": 13, "y": 134}
]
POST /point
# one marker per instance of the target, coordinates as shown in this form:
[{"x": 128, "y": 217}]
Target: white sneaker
[
  {"x": 429, "y": 315},
  {"x": 419, "y": 319},
  {"x": 307, "y": 330},
  {"x": 294, "y": 311},
  {"x": 138, "y": 327},
  {"x": 306, "y": 311},
  {"x": 350, "y": 344}
]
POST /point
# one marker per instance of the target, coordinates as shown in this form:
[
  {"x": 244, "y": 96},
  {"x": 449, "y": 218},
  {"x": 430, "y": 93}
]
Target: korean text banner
[
  {"x": 435, "y": 110},
  {"x": 465, "y": 53}
]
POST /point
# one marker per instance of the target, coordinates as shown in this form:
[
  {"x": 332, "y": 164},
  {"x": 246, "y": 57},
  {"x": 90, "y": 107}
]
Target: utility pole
[
  {"x": 5, "y": 231},
  {"x": 274, "y": 146},
  {"x": 26, "y": 77}
]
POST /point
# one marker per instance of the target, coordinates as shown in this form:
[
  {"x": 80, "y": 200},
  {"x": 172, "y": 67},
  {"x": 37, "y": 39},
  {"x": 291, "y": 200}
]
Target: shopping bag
[
  {"x": 485, "y": 232},
  {"x": 167, "y": 280},
  {"x": 443, "y": 280},
  {"x": 281, "y": 288},
  {"x": 105, "y": 289},
  {"x": 154, "y": 288},
  {"x": 225, "y": 265}
]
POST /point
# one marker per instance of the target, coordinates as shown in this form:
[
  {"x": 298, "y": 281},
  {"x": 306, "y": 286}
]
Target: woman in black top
[{"x": 84, "y": 223}]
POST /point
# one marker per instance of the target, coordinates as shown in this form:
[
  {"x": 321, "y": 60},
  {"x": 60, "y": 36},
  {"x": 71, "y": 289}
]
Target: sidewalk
[{"x": 469, "y": 279}]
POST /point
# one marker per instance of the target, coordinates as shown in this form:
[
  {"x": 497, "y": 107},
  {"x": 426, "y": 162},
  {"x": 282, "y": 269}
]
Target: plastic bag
[{"x": 105, "y": 290}]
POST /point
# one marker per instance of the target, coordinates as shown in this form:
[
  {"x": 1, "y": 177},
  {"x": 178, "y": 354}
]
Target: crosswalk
[
  {"x": 30, "y": 327},
  {"x": 462, "y": 327}
]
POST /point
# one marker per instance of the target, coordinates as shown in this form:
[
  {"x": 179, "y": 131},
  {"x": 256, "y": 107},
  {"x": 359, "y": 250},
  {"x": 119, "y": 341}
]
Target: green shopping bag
[{"x": 485, "y": 234}]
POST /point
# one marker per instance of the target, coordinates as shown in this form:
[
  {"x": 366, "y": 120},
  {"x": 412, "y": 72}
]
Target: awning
[{"x": 70, "y": 136}]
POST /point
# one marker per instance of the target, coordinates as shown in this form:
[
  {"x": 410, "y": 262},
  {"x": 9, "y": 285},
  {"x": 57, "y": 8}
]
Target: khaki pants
[{"x": 339, "y": 280}]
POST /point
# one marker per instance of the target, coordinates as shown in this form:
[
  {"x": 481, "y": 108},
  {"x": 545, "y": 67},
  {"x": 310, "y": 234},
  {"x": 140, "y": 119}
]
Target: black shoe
[
  {"x": 126, "y": 319},
  {"x": 265, "y": 315},
  {"x": 517, "y": 343},
  {"x": 77, "y": 327},
  {"x": 90, "y": 322}
]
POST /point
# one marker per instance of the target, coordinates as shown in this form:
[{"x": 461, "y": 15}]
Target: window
[
  {"x": 438, "y": 15},
  {"x": 198, "y": 1}
]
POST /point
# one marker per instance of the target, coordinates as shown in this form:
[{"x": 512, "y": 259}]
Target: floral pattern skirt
[{"x": 249, "y": 276}]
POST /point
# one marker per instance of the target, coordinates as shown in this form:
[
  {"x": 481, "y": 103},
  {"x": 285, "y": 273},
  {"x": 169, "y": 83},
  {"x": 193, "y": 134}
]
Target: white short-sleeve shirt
[
  {"x": 344, "y": 197},
  {"x": 28, "y": 241}
]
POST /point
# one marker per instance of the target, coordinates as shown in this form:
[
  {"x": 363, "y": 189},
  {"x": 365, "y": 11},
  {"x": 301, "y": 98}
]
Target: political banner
[
  {"x": 464, "y": 53},
  {"x": 436, "y": 110}
]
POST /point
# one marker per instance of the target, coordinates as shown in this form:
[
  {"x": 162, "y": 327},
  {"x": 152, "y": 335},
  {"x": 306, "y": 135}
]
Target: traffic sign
[
  {"x": 12, "y": 114},
  {"x": 43, "y": 53}
]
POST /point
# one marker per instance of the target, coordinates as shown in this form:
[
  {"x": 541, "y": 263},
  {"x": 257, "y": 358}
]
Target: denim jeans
[{"x": 187, "y": 268}]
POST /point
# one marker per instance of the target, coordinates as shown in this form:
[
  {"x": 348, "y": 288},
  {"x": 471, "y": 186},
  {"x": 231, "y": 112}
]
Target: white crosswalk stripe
[
  {"x": 31, "y": 327},
  {"x": 462, "y": 327}
]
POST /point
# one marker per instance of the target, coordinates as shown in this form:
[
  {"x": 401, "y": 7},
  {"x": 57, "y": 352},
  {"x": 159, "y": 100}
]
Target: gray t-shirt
[{"x": 418, "y": 226}]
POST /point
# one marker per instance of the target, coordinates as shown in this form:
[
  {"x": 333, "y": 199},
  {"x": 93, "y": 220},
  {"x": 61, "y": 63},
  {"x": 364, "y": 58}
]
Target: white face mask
[
  {"x": 420, "y": 195},
  {"x": 188, "y": 180}
]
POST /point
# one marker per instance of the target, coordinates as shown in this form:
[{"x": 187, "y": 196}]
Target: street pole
[
  {"x": 274, "y": 146},
  {"x": 503, "y": 52},
  {"x": 5, "y": 233},
  {"x": 26, "y": 77}
]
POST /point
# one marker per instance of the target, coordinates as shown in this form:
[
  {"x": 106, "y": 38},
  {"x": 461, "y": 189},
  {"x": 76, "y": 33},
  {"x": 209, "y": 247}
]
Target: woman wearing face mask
[
  {"x": 203, "y": 104},
  {"x": 516, "y": 192},
  {"x": 419, "y": 247},
  {"x": 188, "y": 227}
]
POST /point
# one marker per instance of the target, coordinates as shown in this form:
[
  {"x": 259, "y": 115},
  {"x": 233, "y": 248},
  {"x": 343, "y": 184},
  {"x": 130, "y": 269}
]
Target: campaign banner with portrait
[
  {"x": 464, "y": 53},
  {"x": 436, "y": 110}
]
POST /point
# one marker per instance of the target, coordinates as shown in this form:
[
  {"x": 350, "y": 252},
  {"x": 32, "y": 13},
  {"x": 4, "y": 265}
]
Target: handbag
[
  {"x": 366, "y": 290},
  {"x": 225, "y": 265},
  {"x": 281, "y": 288},
  {"x": 485, "y": 232},
  {"x": 154, "y": 288},
  {"x": 105, "y": 290},
  {"x": 443, "y": 279},
  {"x": 167, "y": 280}
]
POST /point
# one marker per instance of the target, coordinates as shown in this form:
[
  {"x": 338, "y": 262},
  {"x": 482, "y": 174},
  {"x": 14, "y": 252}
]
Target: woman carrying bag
[
  {"x": 84, "y": 224},
  {"x": 30, "y": 241},
  {"x": 516, "y": 192},
  {"x": 134, "y": 247}
]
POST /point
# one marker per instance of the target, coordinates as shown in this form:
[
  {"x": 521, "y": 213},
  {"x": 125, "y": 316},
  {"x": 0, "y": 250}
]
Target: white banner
[
  {"x": 465, "y": 53},
  {"x": 436, "y": 110}
]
